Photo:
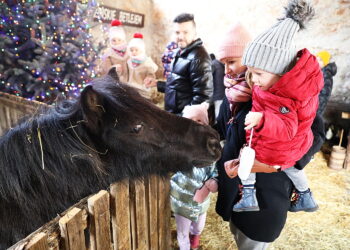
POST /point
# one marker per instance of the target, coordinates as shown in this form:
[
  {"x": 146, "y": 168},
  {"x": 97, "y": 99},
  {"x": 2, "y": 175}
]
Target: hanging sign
[{"x": 128, "y": 18}]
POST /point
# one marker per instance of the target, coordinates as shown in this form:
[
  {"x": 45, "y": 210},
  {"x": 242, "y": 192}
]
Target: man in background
[{"x": 190, "y": 80}]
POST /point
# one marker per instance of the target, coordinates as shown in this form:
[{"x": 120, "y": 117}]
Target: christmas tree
[{"x": 45, "y": 48}]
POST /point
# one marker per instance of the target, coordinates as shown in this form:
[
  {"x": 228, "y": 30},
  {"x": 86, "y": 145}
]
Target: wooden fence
[
  {"x": 13, "y": 108},
  {"x": 130, "y": 215}
]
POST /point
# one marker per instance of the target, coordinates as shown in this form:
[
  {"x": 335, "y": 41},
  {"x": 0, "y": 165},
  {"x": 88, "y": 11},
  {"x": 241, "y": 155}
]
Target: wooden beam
[
  {"x": 153, "y": 211},
  {"x": 72, "y": 227},
  {"x": 164, "y": 214},
  {"x": 100, "y": 233},
  {"x": 141, "y": 215},
  {"x": 120, "y": 213},
  {"x": 38, "y": 242}
]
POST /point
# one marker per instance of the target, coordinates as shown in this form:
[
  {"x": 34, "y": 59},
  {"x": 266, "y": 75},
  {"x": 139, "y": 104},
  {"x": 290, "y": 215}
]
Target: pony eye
[{"x": 137, "y": 128}]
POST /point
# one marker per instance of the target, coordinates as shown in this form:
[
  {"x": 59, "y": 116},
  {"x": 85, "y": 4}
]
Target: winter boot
[
  {"x": 248, "y": 202},
  {"x": 303, "y": 201},
  {"x": 194, "y": 241}
]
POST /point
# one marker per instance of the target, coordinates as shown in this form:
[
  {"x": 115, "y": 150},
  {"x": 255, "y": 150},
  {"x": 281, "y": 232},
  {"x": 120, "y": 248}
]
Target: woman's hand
[
  {"x": 231, "y": 168},
  {"x": 150, "y": 82},
  {"x": 118, "y": 68},
  {"x": 252, "y": 119}
]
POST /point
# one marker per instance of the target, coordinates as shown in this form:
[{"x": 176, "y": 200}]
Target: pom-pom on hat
[
  {"x": 137, "y": 41},
  {"x": 273, "y": 50},
  {"x": 116, "y": 30}
]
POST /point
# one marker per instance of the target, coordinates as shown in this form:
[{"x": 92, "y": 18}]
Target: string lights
[{"x": 46, "y": 48}]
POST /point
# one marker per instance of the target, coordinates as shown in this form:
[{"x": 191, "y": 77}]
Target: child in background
[
  {"x": 142, "y": 69},
  {"x": 189, "y": 195},
  {"x": 168, "y": 56},
  {"x": 115, "y": 55},
  {"x": 285, "y": 100}
]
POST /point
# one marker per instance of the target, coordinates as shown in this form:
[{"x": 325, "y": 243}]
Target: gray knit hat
[{"x": 273, "y": 50}]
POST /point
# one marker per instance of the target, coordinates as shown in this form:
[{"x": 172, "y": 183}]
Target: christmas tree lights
[{"x": 45, "y": 48}]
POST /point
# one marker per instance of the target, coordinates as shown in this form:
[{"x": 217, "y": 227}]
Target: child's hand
[
  {"x": 252, "y": 119},
  {"x": 150, "y": 82},
  {"x": 212, "y": 185},
  {"x": 197, "y": 113},
  {"x": 118, "y": 68},
  {"x": 201, "y": 194}
]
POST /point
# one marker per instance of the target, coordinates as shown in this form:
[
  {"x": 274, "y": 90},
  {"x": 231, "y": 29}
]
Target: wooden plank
[
  {"x": 141, "y": 215},
  {"x": 164, "y": 214},
  {"x": 120, "y": 212},
  {"x": 153, "y": 211},
  {"x": 14, "y": 117},
  {"x": 72, "y": 229},
  {"x": 100, "y": 233},
  {"x": 132, "y": 204},
  {"x": 18, "y": 102},
  {"x": 8, "y": 117},
  {"x": 27, "y": 108},
  {"x": 347, "y": 157},
  {"x": 2, "y": 120},
  {"x": 38, "y": 242}
]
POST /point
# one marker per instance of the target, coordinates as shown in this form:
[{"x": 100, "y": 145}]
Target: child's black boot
[{"x": 303, "y": 201}]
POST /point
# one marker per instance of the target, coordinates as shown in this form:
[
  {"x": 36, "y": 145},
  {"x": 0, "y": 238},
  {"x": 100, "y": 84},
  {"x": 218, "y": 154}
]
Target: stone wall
[{"x": 330, "y": 29}]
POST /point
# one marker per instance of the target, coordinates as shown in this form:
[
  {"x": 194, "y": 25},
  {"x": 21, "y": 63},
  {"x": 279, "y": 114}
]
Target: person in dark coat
[
  {"x": 255, "y": 230},
  {"x": 190, "y": 81},
  {"x": 329, "y": 70},
  {"x": 218, "y": 69}
]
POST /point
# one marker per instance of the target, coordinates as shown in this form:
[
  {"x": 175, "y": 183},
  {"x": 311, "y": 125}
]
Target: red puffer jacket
[{"x": 289, "y": 107}]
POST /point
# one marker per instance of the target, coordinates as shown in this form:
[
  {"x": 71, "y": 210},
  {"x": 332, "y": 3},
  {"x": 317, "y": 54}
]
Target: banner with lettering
[{"x": 128, "y": 18}]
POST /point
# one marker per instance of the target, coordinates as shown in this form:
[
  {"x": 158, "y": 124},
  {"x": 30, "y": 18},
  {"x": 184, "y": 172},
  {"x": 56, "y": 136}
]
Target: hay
[{"x": 328, "y": 228}]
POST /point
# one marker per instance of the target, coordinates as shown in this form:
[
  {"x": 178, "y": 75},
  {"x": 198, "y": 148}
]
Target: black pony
[{"x": 52, "y": 160}]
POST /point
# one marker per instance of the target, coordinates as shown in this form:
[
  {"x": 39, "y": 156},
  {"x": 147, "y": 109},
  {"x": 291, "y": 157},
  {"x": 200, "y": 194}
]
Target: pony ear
[
  {"x": 113, "y": 73},
  {"x": 92, "y": 105}
]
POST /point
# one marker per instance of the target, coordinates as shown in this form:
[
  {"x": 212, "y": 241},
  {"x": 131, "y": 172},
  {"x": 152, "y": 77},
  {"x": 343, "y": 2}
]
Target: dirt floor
[{"x": 328, "y": 228}]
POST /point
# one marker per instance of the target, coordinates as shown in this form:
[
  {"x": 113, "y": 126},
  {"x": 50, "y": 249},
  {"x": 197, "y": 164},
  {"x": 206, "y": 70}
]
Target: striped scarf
[
  {"x": 137, "y": 60},
  {"x": 120, "y": 50},
  {"x": 237, "y": 91}
]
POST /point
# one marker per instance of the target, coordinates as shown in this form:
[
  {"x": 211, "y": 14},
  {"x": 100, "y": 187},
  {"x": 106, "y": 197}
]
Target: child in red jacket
[{"x": 285, "y": 101}]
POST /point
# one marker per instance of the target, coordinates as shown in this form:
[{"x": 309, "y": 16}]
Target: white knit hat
[
  {"x": 273, "y": 50},
  {"x": 138, "y": 42},
  {"x": 116, "y": 30}
]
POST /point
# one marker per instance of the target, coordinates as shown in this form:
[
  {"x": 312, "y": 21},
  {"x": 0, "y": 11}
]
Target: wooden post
[
  {"x": 141, "y": 216},
  {"x": 164, "y": 214},
  {"x": 120, "y": 213},
  {"x": 38, "y": 242},
  {"x": 100, "y": 234},
  {"x": 72, "y": 227},
  {"x": 2, "y": 120},
  {"x": 347, "y": 157},
  {"x": 8, "y": 117},
  {"x": 132, "y": 214},
  {"x": 153, "y": 211}
]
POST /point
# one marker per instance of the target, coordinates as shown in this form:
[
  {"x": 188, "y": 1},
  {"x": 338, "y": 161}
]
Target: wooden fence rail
[{"x": 129, "y": 215}]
